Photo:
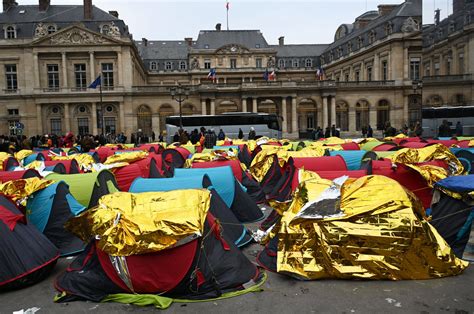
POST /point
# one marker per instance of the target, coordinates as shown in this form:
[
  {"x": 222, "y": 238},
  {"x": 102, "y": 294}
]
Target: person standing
[
  {"x": 252, "y": 133},
  {"x": 370, "y": 131},
  {"x": 210, "y": 139},
  {"x": 221, "y": 135},
  {"x": 333, "y": 130},
  {"x": 241, "y": 134},
  {"x": 327, "y": 133},
  {"x": 459, "y": 129},
  {"x": 364, "y": 131}
]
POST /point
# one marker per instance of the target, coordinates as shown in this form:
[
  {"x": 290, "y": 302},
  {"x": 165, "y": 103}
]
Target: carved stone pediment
[
  {"x": 410, "y": 25},
  {"x": 75, "y": 35},
  {"x": 232, "y": 49}
]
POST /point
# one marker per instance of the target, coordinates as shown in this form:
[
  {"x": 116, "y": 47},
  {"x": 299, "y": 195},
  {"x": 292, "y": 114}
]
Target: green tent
[
  {"x": 369, "y": 146},
  {"x": 87, "y": 188}
]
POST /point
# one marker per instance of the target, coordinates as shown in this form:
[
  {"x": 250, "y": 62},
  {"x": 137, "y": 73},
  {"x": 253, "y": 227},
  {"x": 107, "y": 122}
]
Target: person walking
[
  {"x": 210, "y": 139},
  {"x": 370, "y": 131},
  {"x": 241, "y": 134},
  {"x": 221, "y": 135},
  {"x": 252, "y": 133}
]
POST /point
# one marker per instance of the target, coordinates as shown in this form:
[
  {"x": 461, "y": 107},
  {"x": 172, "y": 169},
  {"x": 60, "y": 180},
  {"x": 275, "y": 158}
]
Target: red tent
[
  {"x": 72, "y": 167},
  {"x": 10, "y": 162},
  {"x": 104, "y": 152},
  {"x": 6, "y": 176},
  {"x": 126, "y": 175},
  {"x": 447, "y": 143},
  {"x": 400, "y": 141},
  {"x": 385, "y": 147},
  {"x": 326, "y": 163},
  {"x": 415, "y": 144},
  {"x": 234, "y": 164},
  {"x": 174, "y": 158}
]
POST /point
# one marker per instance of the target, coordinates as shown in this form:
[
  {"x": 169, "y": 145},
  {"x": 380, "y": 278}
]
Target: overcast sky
[{"x": 300, "y": 21}]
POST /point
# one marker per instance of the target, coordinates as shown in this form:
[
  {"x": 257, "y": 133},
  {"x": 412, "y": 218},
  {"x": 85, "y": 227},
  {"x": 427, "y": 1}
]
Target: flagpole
[
  {"x": 101, "y": 106},
  {"x": 227, "y": 7}
]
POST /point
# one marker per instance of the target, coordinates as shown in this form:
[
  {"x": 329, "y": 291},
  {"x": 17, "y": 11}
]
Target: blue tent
[
  {"x": 28, "y": 160},
  {"x": 354, "y": 158},
  {"x": 232, "y": 226},
  {"x": 49, "y": 209},
  {"x": 458, "y": 184},
  {"x": 223, "y": 180}
]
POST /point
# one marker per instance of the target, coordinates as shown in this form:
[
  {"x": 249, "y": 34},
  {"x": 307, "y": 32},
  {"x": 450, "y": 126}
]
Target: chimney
[
  {"x": 114, "y": 13},
  {"x": 87, "y": 9},
  {"x": 436, "y": 18},
  {"x": 458, "y": 6},
  {"x": 218, "y": 27},
  {"x": 281, "y": 41},
  {"x": 189, "y": 41},
  {"x": 7, "y": 4},
  {"x": 385, "y": 9},
  {"x": 43, "y": 5},
  {"x": 145, "y": 42}
]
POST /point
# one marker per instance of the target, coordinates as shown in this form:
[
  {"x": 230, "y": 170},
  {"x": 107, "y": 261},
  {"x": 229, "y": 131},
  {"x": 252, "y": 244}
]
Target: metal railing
[
  {"x": 365, "y": 83},
  {"x": 448, "y": 78}
]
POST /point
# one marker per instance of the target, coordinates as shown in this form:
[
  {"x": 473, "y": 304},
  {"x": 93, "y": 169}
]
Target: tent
[
  {"x": 325, "y": 163},
  {"x": 223, "y": 180},
  {"x": 87, "y": 188},
  {"x": 453, "y": 217},
  {"x": 145, "y": 168},
  {"x": 251, "y": 185},
  {"x": 71, "y": 166},
  {"x": 9, "y": 163},
  {"x": 206, "y": 267},
  {"x": 234, "y": 229},
  {"x": 174, "y": 158},
  {"x": 466, "y": 157},
  {"x": 245, "y": 156},
  {"x": 33, "y": 157},
  {"x": 385, "y": 147},
  {"x": 27, "y": 255},
  {"x": 57, "y": 168},
  {"x": 49, "y": 209},
  {"x": 6, "y": 176},
  {"x": 354, "y": 158},
  {"x": 415, "y": 144}
]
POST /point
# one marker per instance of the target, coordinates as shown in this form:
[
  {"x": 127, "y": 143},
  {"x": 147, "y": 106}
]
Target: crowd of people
[{"x": 207, "y": 138}]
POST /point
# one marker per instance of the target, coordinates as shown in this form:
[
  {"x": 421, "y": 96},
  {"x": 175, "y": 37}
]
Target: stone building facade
[
  {"x": 448, "y": 58},
  {"x": 48, "y": 64}
]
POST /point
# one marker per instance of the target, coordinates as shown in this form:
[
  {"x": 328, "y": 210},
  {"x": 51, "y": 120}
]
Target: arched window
[
  {"x": 342, "y": 116},
  {"x": 362, "y": 114},
  {"x": 105, "y": 29},
  {"x": 52, "y": 29},
  {"x": 296, "y": 63},
  {"x": 307, "y": 115},
  {"x": 388, "y": 28},
  {"x": 168, "y": 65},
  {"x": 144, "y": 120},
  {"x": 372, "y": 37},
  {"x": 182, "y": 65},
  {"x": 281, "y": 63},
  {"x": 383, "y": 114},
  {"x": 309, "y": 63},
  {"x": 153, "y": 66},
  {"x": 10, "y": 32}
]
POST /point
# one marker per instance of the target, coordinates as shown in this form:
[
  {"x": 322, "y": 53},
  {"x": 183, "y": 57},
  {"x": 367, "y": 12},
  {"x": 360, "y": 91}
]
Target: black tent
[{"x": 26, "y": 255}]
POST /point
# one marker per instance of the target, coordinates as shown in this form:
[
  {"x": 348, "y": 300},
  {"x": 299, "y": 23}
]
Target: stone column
[
  {"x": 376, "y": 67},
  {"x": 254, "y": 105},
  {"x": 406, "y": 64},
  {"x": 119, "y": 68},
  {"x": 39, "y": 119},
  {"x": 244, "y": 104},
  {"x": 94, "y": 119},
  {"x": 454, "y": 62},
  {"x": 213, "y": 107},
  {"x": 333, "y": 111},
  {"x": 284, "y": 113},
  {"x": 36, "y": 67},
  {"x": 122, "y": 117},
  {"x": 352, "y": 120},
  {"x": 92, "y": 66},
  {"x": 294, "y": 117},
  {"x": 67, "y": 117},
  {"x": 325, "y": 113},
  {"x": 64, "y": 69},
  {"x": 203, "y": 107}
]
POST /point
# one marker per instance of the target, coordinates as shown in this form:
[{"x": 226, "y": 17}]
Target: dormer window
[
  {"x": 281, "y": 64},
  {"x": 182, "y": 65},
  {"x": 451, "y": 27},
  {"x": 360, "y": 42},
  {"x": 339, "y": 52},
  {"x": 372, "y": 37},
  {"x": 440, "y": 34},
  {"x": 388, "y": 29},
  {"x": 105, "y": 29},
  {"x": 206, "y": 46},
  {"x": 257, "y": 46},
  {"x": 168, "y": 65},
  {"x": 309, "y": 63},
  {"x": 349, "y": 47},
  {"x": 10, "y": 32},
  {"x": 52, "y": 29},
  {"x": 153, "y": 66},
  {"x": 467, "y": 18},
  {"x": 296, "y": 63}
]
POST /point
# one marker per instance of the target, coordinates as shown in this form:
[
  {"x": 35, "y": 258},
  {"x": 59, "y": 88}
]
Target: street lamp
[{"x": 180, "y": 94}]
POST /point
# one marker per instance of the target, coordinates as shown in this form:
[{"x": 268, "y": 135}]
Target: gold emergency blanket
[
  {"x": 126, "y": 157},
  {"x": 22, "y": 154},
  {"x": 85, "y": 161},
  {"x": 19, "y": 190},
  {"x": 265, "y": 158},
  {"x": 130, "y": 224},
  {"x": 3, "y": 156},
  {"x": 211, "y": 156},
  {"x": 380, "y": 235},
  {"x": 429, "y": 153}
]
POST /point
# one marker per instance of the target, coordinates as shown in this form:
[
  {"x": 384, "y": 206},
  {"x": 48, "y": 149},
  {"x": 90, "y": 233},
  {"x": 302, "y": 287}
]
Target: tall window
[
  {"x": 357, "y": 76},
  {"x": 80, "y": 74},
  {"x": 369, "y": 73},
  {"x": 56, "y": 126},
  {"x": 448, "y": 64},
  {"x": 436, "y": 68},
  {"x": 11, "y": 77},
  {"x": 342, "y": 116},
  {"x": 362, "y": 115},
  {"x": 415, "y": 69},
  {"x": 182, "y": 65},
  {"x": 384, "y": 70},
  {"x": 53, "y": 76},
  {"x": 83, "y": 126},
  {"x": 108, "y": 75},
  {"x": 309, "y": 63},
  {"x": 383, "y": 114},
  {"x": 346, "y": 76},
  {"x": 233, "y": 63},
  {"x": 427, "y": 69},
  {"x": 461, "y": 63},
  {"x": 258, "y": 63},
  {"x": 207, "y": 64},
  {"x": 110, "y": 126},
  {"x": 281, "y": 63},
  {"x": 10, "y": 32}
]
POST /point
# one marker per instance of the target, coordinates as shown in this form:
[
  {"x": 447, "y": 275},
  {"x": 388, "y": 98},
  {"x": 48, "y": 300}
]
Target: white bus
[
  {"x": 432, "y": 118},
  {"x": 265, "y": 124}
]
